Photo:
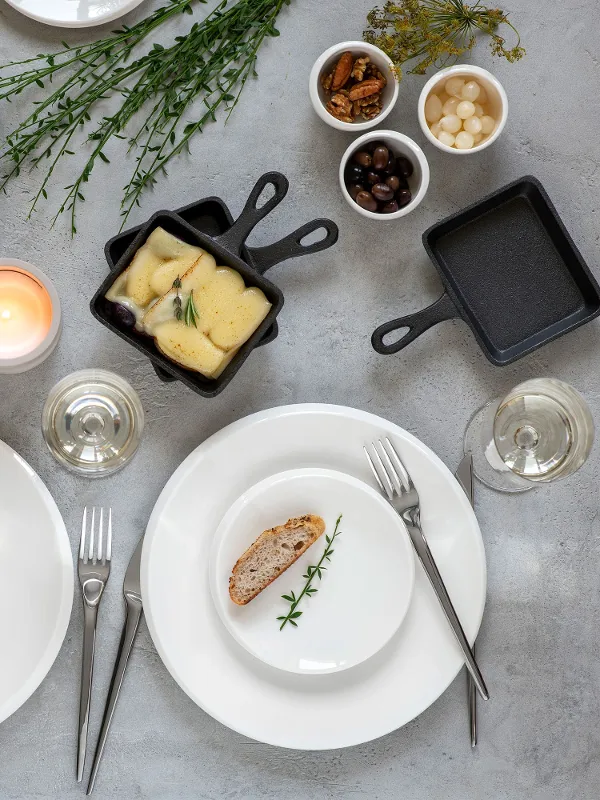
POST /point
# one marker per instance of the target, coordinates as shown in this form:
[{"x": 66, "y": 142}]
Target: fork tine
[
  {"x": 374, "y": 471},
  {"x": 100, "y": 530},
  {"x": 91, "y": 546},
  {"x": 83, "y": 532},
  {"x": 109, "y": 536},
  {"x": 380, "y": 472},
  {"x": 395, "y": 478},
  {"x": 406, "y": 479}
]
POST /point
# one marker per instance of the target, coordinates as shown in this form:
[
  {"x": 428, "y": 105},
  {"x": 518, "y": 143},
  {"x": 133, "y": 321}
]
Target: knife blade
[
  {"x": 464, "y": 475},
  {"x": 134, "y": 610}
]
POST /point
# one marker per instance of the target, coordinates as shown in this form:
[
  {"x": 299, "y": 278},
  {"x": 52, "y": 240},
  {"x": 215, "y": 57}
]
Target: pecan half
[
  {"x": 365, "y": 89},
  {"x": 342, "y": 71}
]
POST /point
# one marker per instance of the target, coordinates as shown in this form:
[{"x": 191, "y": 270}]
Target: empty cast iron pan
[
  {"x": 226, "y": 248},
  {"x": 510, "y": 270}
]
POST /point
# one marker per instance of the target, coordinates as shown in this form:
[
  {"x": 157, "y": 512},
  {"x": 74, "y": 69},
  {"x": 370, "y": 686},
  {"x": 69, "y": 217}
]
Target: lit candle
[{"x": 29, "y": 316}]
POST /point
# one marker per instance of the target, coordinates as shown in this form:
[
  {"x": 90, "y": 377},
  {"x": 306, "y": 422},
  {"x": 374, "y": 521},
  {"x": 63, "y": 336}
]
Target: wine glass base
[{"x": 488, "y": 467}]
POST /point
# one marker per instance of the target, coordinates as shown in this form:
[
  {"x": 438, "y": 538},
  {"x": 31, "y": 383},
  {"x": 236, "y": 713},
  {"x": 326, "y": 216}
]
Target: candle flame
[{"x": 5, "y": 314}]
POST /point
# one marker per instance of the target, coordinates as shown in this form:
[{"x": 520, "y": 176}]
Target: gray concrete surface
[{"x": 540, "y": 735}]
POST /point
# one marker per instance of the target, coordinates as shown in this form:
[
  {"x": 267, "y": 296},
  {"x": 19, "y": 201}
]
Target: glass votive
[{"x": 30, "y": 316}]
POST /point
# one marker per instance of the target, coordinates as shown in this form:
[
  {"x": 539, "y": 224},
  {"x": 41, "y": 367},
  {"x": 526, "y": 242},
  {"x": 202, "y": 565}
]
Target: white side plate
[
  {"x": 366, "y": 585},
  {"x": 36, "y": 581},
  {"x": 74, "y": 13},
  {"x": 315, "y": 712}
]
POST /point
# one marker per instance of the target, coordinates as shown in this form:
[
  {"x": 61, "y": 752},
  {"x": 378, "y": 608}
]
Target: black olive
[
  {"x": 403, "y": 196},
  {"x": 381, "y": 191},
  {"x": 354, "y": 174},
  {"x": 393, "y": 181},
  {"x": 390, "y": 167},
  {"x": 404, "y": 166},
  {"x": 363, "y": 158},
  {"x": 381, "y": 157},
  {"x": 354, "y": 189},
  {"x": 373, "y": 177},
  {"x": 367, "y": 201},
  {"x": 389, "y": 208}
]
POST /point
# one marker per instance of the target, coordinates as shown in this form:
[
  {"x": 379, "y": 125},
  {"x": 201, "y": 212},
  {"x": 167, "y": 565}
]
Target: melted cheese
[{"x": 228, "y": 312}]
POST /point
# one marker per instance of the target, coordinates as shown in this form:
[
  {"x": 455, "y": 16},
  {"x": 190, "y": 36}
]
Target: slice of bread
[{"x": 271, "y": 554}]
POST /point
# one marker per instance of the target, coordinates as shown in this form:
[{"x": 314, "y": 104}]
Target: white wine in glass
[{"x": 540, "y": 432}]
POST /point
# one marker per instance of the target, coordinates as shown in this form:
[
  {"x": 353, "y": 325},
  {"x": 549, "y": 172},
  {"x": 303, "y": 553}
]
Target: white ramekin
[
  {"x": 327, "y": 61},
  {"x": 400, "y": 145},
  {"x": 497, "y": 103}
]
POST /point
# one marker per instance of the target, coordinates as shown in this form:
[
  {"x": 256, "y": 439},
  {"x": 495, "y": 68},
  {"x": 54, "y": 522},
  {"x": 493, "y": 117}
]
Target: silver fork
[
  {"x": 397, "y": 487},
  {"x": 93, "y": 568}
]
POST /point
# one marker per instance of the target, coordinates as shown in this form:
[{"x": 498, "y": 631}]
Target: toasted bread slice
[{"x": 271, "y": 554}]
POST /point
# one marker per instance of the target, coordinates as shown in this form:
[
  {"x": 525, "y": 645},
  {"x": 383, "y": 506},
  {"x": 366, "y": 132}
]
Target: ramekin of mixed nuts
[{"x": 352, "y": 86}]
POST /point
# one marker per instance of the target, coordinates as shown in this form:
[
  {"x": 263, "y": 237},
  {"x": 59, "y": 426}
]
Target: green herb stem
[
  {"x": 210, "y": 64},
  {"x": 308, "y": 589}
]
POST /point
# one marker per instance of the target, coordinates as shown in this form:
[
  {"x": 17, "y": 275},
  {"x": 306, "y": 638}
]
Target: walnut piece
[
  {"x": 359, "y": 68},
  {"x": 340, "y": 107},
  {"x": 371, "y": 106}
]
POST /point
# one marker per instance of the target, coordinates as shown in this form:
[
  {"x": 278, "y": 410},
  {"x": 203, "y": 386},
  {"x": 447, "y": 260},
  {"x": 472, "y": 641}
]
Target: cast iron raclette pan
[
  {"x": 210, "y": 215},
  {"x": 511, "y": 272},
  {"x": 226, "y": 248}
]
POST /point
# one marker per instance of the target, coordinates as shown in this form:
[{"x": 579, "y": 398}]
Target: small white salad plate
[
  {"x": 366, "y": 585},
  {"x": 74, "y": 13},
  {"x": 36, "y": 581},
  {"x": 315, "y": 712}
]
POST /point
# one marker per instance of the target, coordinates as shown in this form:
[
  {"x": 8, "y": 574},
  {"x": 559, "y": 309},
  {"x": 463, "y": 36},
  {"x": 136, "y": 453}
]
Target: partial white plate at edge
[
  {"x": 305, "y": 712},
  {"x": 36, "y": 581},
  {"x": 74, "y": 13},
  {"x": 366, "y": 586}
]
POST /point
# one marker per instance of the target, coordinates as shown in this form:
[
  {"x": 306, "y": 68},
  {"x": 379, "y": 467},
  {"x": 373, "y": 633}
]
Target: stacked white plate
[
  {"x": 233, "y": 661},
  {"x": 36, "y": 581}
]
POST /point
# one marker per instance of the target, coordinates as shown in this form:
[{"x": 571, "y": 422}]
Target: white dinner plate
[
  {"x": 36, "y": 581},
  {"x": 365, "y": 587},
  {"x": 313, "y": 712},
  {"x": 74, "y": 13}
]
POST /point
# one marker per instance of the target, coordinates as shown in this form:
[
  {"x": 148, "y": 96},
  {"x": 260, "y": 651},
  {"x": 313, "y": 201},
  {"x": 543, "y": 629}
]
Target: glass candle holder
[{"x": 30, "y": 316}]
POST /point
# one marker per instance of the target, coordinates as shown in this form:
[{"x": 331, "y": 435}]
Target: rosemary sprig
[
  {"x": 177, "y": 299},
  {"x": 210, "y": 64},
  {"x": 436, "y": 32},
  {"x": 308, "y": 590},
  {"x": 191, "y": 314}
]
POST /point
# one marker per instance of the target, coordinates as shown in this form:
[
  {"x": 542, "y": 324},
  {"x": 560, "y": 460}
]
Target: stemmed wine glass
[{"x": 542, "y": 430}]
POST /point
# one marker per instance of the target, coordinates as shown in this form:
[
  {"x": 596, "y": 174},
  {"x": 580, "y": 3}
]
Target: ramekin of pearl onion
[{"x": 463, "y": 109}]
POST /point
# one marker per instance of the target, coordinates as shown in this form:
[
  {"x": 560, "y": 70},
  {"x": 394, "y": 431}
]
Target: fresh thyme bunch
[
  {"x": 434, "y": 32},
  {"x": 210, "y": 64}
]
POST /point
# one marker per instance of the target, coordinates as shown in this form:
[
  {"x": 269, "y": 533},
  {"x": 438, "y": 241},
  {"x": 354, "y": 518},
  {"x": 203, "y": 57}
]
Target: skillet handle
[
  {"x": 417, "y": 324},
  {"x": 263, "y": 258},
  {"x": 233, "y": 239}
]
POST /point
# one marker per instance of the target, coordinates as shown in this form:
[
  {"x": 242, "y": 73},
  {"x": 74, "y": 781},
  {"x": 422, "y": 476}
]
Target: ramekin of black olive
[{"x": 384, "y": 175}]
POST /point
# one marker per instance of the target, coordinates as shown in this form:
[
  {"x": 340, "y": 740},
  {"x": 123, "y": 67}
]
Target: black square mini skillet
[{"x": 510, "y": 270}]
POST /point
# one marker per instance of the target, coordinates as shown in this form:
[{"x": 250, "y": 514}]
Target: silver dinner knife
[
  {"x": 464, "y": 475},
  {"x": 134, "y": 610}
]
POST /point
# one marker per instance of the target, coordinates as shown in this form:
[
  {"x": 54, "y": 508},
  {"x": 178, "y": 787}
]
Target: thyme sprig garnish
[
  {"x": 436, "y": 32},
  {"x": 177, "y": 90},
  {"x": 191, "y": 314},
  {"x": 310, "y": 574},
  {"x": 177, "y": 299}
]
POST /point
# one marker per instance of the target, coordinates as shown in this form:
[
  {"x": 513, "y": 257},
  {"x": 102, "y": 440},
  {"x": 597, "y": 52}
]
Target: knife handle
[
  {"x": 426, "y": 558},
  {"x": 132, "y": 621}
]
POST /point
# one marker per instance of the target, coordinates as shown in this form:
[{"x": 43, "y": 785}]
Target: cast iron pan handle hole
[
  {"x": 393, "y": 337},
  {"x": 318, "y": 235},
  {"x": 267, "y": 194}
]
